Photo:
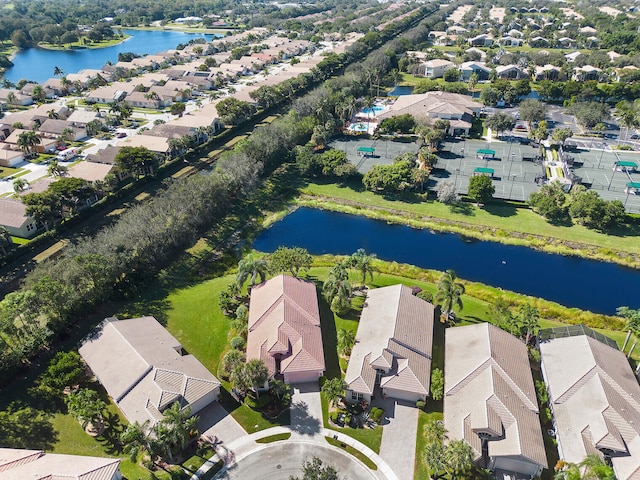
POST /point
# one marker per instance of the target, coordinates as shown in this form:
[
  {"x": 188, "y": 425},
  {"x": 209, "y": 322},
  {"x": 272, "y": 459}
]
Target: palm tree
[
  {"x": 56, "y": 170},
  {"x": 135, "y": 440},
  {"x": 333, "y": 390},
  {"x": 27, "y": 141},
  {"x": 632, "y": 325},
  {"x": 251, "y": 267},
  {"x": 337, "y": 289},
  {"x": 52, "y": 114},
  {"x": 346, "y": 339},
  {"x": 449, "y": 294},
  {"x": 57, "y": 71},
  {"x": 361, "y": 261},
  {"x": 278, "y": 388},
  {"x": 20, "y": 185},
  {"x": 86, "y": 407},
  {"x": 458, "y": 456},
  {"x": 369, "y": 102},
  {"x": 434, "y": 459},
  {"x": 595, "y": 468},
  {"x": 254, "y": 374},
  {"x": 529, "y": 319}
]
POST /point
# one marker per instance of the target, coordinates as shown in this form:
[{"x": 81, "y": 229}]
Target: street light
[
  {"x": 513, "y": 179},
  {"x": 603, "y": 147}
]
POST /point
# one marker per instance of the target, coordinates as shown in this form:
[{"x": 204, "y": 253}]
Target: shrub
[
  {"x": 420, "y": 404},
  {"x": 237, "y": 343},
  {"x": 426, "y": 296},
  {"x": 376, "y": 414}
]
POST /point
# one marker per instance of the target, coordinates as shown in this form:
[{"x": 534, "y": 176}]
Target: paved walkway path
[{"x": 398, "y": 446}]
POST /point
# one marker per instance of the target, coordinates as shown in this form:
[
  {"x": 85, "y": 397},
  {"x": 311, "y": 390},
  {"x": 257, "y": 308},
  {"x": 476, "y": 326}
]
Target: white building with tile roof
[
  {"x": 392, "y": 350},
  {"x": 284, "y": 329},
  {"x": 490, "y": 399},
  {"x": 144, "y": 369},
  {"x": 19, "y": 464},
  {"x": 595, "y": 400}
]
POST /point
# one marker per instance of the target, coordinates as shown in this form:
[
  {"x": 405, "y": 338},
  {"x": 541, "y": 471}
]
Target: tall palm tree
[
  {"x": 251, "y": 267},
  {"x": 632, "y": 318},
  {"x": 27, "y": 141},
  {"x": 20, "y": 185},
  {"x": 58, "y": 72},
  {"x": 361, "y": 261},
  {"x": 529, "y": 320},
  {"x": 449, "y": 294}
]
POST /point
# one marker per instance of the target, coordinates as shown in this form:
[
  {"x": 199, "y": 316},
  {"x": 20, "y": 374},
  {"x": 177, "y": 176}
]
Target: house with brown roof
[
  {"x": 392, "y": 351},
  {"x": 594, "y": 398},
  {"x": 10, "y": 157},
  {"x": 20, "y": 464},
  {"x": 90, "y": 171},
  {"x": 284, "y": 329},
  {"x": 145, "y": 370},
  {"x": 13, "y": 216},
  {"x": 490, "y": 400},
  {"x": 53, "y": 127}
]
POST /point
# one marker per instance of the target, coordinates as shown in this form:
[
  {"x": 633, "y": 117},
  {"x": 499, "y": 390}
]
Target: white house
[{"x": 435, "y": 68}]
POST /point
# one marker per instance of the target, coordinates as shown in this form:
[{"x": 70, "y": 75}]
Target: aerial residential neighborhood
[{"x": 370, "y": 240}]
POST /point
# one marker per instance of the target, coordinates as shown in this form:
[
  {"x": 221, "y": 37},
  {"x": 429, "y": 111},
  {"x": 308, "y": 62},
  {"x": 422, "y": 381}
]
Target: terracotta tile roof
[
  {"x": 395, "y": 334},
  {"x": 596, "y": 401},
  {"x": 284, "y": 319},
  {"x": 489, "y": 389}
]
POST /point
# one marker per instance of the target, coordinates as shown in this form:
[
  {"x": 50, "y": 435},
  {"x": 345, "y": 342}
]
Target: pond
[
  {"x": 37, "y": 64},
  {"x": 398, "y": 91},
  {"x": 590, "y": 285}
]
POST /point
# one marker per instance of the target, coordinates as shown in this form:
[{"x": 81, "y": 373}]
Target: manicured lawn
[
  {"x": 275, "y": 438},
  {"x": 500, "y": 218},
  {"x": 421, "y": 471},
  {"x": 8, "y": 171}
]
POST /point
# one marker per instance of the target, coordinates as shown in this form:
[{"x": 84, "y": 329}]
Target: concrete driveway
[
  {"x": 280, "y": 460},
  {"x": 218, "y": 426},
  {"x": 306, "y": 410},
  {"x": 398, "y": 446}
]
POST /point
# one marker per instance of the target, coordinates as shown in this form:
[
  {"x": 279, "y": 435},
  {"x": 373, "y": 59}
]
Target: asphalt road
[{"x": 280, "y": 460}]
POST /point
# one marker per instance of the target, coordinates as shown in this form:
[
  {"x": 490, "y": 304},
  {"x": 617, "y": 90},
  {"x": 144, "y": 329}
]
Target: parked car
[{"x": 121, "y": 135}]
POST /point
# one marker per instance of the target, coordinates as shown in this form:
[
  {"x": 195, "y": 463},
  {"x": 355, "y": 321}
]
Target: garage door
[
  {"x": 402, "y": 395},
  {"x": 301, "y": 377}
]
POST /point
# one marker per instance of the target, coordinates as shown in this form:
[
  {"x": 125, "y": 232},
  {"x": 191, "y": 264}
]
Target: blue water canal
[
  {"x": 590, "y": 285},
  {"x": 37, "y": 64}
]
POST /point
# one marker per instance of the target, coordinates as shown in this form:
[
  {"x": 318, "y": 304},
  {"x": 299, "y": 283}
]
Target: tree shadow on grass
[
  {"x": 329, "y": 339},
  {"x": 501, "y": 210},
  {"x": 110, "y": 438},
  {"x": 463, "y": 208}
]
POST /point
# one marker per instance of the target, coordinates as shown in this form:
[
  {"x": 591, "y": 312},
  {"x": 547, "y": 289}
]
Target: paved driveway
[
  {"x": 398, "y": 447},
  {"x": 218, "y": 426},
  {"x": 306, "y": 410}
]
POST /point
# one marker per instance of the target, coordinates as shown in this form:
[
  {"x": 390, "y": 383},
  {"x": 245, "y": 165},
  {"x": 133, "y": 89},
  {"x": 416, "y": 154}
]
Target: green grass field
[{"x": 499, "y": 218}]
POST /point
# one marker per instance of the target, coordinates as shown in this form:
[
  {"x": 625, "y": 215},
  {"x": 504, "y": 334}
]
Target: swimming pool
[
  {"x": 358, "y": 127},
  {"x": 373, "y": 110}
]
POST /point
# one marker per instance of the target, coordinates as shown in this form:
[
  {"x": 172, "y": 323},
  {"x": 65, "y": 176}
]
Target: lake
[
  {"x": 590, "y": 285},
  {"x": 37, "y": 64}
]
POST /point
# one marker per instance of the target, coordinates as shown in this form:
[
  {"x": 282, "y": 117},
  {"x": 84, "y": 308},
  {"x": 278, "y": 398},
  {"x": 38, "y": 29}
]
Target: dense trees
[
  {"x": 549, "y": 201},
  {"x": 532, "y": 110},
  {"x": 233, "y": 111},
  {"x": 589, "y": 114},
  {"x": 289, "y": 260},
  {"x": 390, "y": 178},
  {"x": 86, "y": 407},
  {"x": 136, "y": 161},
  {"x": 500, "y": 122}
]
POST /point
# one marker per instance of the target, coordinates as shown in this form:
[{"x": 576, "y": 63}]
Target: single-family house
[
  {"x": 594, "y": 398},
  {"x": 587, "y": 30},
  {"x": 54, "y": 128},
  {"x": 90, "y": 171},
  {"x": 435, "y": 68},
  {"x": 284, "y": 329},
  {"x": 10, "y": 157},
  {"x": 21, "y": 464},
  {"x": 586, "y": 72},
  {"x": 566, "y": 42},
  {"x": 479, "y": 68},
  {"x": 538, "y": 42},
  {"x": 511, "y": 72},
  {"x": 482, "y": 40},
  {"x": 144, "y": 99},
  {"x": 145, "y": 370},
  {"x": 13, "y": 216},
  {"x": 9, "y": 96},
  {"x": 392, "y": 351},
  {"x": 46, "y": 145},
  {"x": 547, "y": 72},
  {"x": 476, "y": 51},
  {"x": 106, "y": 94},
  {"x": 159, "y": 145},
  {"x": 510, "y": 41},
  {"x": 490, "y": 400},
  {"x": 571, "y": 57}
]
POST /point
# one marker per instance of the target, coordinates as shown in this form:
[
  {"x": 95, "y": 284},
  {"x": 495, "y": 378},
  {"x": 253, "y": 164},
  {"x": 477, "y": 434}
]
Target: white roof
[
  {"x": 596, "y": 401},
  {"x": 142, "y": 367},
  {"x": 18, "y": 464},
  {"x": 489, "y": 389}
]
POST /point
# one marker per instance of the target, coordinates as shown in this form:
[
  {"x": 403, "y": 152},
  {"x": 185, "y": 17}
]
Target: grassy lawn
[
  {"x": 500, "y": 218},
  {"x": 421, "y": 471},
  {"x": 275, "y": 438},
  {"x": 356, "y": 453},
  {"x": 8, "y": 171},
  {"x": 20, "y": 240}
]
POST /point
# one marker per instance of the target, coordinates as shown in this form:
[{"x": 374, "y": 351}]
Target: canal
[{"x": 586, "y": 284}]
